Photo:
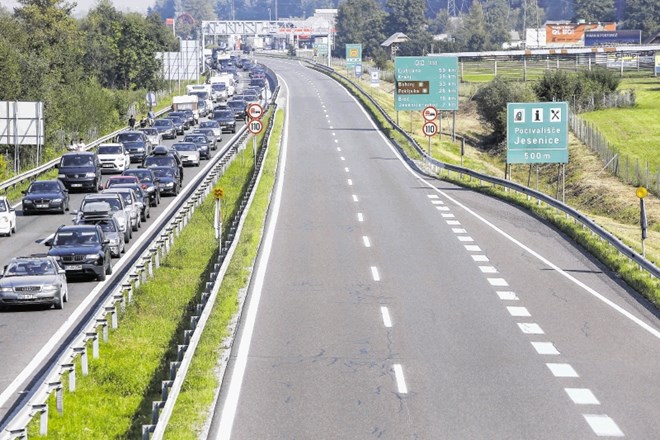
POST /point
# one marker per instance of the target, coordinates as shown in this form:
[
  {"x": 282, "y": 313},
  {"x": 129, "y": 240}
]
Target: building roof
[{"x": 397, "y": 37}]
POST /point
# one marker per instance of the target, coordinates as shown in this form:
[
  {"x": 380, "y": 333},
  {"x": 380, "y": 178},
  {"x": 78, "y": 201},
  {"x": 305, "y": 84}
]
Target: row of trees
[{"x": 87, "y": 72}]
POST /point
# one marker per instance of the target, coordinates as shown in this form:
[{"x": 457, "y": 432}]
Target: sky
[{"x": 85, "y": 5}]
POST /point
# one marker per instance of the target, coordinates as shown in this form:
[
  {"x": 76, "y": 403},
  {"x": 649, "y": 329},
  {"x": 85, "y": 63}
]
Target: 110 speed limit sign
[{"x": 430, "y": 129}]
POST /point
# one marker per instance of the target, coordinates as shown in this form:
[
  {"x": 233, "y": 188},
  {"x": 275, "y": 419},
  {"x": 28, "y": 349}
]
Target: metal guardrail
[
  {"x": 38, "y": 171},
  {"x": 623, "y": 248}
]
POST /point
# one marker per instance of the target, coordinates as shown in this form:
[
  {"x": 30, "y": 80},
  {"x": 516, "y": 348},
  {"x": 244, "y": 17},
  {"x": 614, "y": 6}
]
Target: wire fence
[{"x": 629, "y": 169}]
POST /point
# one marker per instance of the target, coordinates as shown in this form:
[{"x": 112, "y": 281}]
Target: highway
[
  {"x": 25, "y": 333},
  {"x": 391, "y": 305}
]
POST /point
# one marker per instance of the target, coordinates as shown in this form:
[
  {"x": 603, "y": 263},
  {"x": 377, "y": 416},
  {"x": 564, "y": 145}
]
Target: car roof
[
  {"x": 76, "y": 228},
  {"x": 111, "y": 144},
  {"x": 79, "y": 153}
]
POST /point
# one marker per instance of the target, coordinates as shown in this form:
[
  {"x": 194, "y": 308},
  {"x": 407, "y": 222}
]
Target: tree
[
  {"x": 593, "y": 11},
  {"x": 497, "y": 23},
  {"x": 643, "y": 15},
  {"x": 473, "y": 35},
  {"x": 360, "y": 22},
  {"x": 408, "y": 16}
]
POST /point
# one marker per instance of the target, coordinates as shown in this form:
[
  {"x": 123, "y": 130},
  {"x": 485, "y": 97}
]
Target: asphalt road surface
[{"x": 393, "y": 306}]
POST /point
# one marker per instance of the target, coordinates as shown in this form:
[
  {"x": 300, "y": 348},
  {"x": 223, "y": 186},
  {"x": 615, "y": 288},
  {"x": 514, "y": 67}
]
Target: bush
[
  {"x": 588, "y": 90},
  {"x": 492, "y": 99}
]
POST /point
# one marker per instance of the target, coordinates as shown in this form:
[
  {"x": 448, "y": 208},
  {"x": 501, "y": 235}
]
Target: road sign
[
  {"x": 353, "y": 55},
  {"x": 430, "y": 113},
  {"x": 255, "y": 126},
  {"x": 537, "y": 132},
  {"x": 358, "y": 70},
  {"x": 151, "y": 99},
  {"x": 430, "y": 129},
  {"x": 425, "y": 81},
  {"x": 375, "y": 78},
  {"x": 218, "y": 193},
  {"x": 255, "y": 111}
]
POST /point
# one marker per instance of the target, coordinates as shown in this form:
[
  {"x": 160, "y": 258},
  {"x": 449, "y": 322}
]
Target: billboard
[
  {"x": 572, "y": 34},
  {"x": 21, "y": 123},
  {"x": 608, "y": 38}
]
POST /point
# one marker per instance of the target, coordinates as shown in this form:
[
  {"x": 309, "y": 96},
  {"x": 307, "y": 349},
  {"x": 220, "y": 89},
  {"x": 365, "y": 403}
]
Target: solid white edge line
[
  {"x": 228, "y": 410},
  {"x": 387, "y": 321},
  {"x": 538, "y": 256},
  {"x": 400, "y": 381}
]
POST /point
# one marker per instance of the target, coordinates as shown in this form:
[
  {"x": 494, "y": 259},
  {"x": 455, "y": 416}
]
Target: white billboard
[
  {"x": 21, "y": 123},
  {"x": 182, "y": 65}
]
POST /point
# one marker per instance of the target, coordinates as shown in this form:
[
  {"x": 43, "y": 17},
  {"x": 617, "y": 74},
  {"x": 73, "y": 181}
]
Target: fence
[{"x": 627, "y": 168}]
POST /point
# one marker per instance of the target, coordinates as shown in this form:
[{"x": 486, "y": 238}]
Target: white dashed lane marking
[
  {"x": 602, "y": 425},
  {"x": 360, "y": 217},
  {"x": 507, "y": 296},
  {"x": 562, "y": 370},
  {"x": 387, "y": 321},
  {"x": 487, "y": 269},
  {"x": 479, "y": 258},
  {"x": 498, "y": 282},
  {"x": 472, "y": 248},
  {"x": 374, "y": 273},
  {"x": 342, "y": 158},
  {"x": 530, "y": 328},
  {"x": 355, "y": 198},
  {"x": 582, "y": 396},
  {"x": 465, "y": 238},
  {"x": 437, "y": 202},
  {"x": 432, "y": 196},
  {"x": 448, "y": 215},
  {"x": 453, "y": 222},
  {"x": 545, "y": 348},
  {"x": 400, "y": 381},
  {"x": 346, "y": 169},
  {"x": 458, "y": 230},
  {"x": 518, "y": 311},
  {"x": 366, "y": 241},
  {"x": 442, "y": 208},
  {"x": 350, "y": 182}
]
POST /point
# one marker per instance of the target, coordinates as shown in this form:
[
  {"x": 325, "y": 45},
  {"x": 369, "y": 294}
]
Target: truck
[
  {"x": 186, "y": 102},
  {"x": 224, "y": 78}
]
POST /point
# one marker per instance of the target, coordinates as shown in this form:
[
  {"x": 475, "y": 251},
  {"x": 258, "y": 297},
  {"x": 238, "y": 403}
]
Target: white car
[
  {"x": 131, "y": 204},
  {"x": 113, "y": 157},
  {"x": 7, "y": 217},
  {"x": 213, "y": 125},
  {"x": 188, "y": 153},
  {"x": 153, "y": 135}
]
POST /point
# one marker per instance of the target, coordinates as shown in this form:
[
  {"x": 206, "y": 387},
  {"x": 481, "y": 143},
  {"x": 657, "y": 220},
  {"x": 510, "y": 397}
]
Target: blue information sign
[
  {"x": 426, "y": 81},
  {"x": 537, "y": 132},
  {"x": 353, "y": 55}
]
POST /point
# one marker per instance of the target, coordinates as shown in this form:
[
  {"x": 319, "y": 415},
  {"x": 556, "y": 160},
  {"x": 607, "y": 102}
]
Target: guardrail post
[
  {"x": 104, "y": 324},
  {"x": 119, "y": 298},
  {"x": 155, "y": 411},
  {"x": 157, "y": 251},
  {"x": 59, "y": 397},
  {"x": 71, "y": 369},
  {"x": 164, "y": 388},
  {"x": 95, "y": 343},
  {"x": 112, "y": 310},
  {"x": 174, "y": 367},
  {"x": 82, "y": 351},
  {"x": 180, "y": 351},
  {"x": 128, "y": 287},
  {"x": 146, "y": 431},
  {"x": 43, "y": 418},
  {"x": 135, "y": 280}
]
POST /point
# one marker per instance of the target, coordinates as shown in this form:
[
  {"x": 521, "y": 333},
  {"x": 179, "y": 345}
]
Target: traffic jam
[{"x": 121, "y": 181}]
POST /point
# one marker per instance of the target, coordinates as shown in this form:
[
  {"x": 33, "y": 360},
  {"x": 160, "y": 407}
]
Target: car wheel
[
  {"x": 66, "y": 296},
  {"x": 108, "y": 271},
  {"x": 144, "y": 216},
  {"x": 127, "y": 237},
  {"x": 148, "y": 213},
  {"x": 101, "y": 276},
  {"x": 14, "y": 228},
  {"x": 59, "y": 303},
  {"x": 122, "y": 248},
  {"x": 135, "y": 228}
]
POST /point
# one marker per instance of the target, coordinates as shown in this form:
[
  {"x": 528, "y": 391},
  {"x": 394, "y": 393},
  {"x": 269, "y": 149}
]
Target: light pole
[
  {"x": 178, "y": 69},
  {"x": 270, "y": 18}
]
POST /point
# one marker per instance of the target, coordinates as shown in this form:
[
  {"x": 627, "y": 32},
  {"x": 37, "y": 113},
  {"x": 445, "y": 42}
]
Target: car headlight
[
  {"x": 169, "y": 184},
  {"x": 27, "y": 201},
  {"x": 49, "y": 288},
  {"x": 61, "y": 176},
  {"x": 90, "y": 174},
  {"x": 92, "y": 257},
  {"x": 6, "y": 289},
  {"x": 139, "y": 150},
  {"x": 122, "y": 224},
  {"x": 58, "y": 200},
  {"x": 4, "y": 220}
]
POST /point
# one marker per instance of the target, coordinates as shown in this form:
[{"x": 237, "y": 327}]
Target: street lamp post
[{"x": 270, "y": 18}]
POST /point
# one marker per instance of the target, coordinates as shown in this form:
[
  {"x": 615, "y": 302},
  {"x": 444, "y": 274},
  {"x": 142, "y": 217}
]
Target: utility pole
[{"x": 451, "y": 8}]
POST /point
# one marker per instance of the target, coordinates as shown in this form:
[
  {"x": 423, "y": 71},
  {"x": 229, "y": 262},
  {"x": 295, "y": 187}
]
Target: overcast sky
[{"x": 85, "y": 5}]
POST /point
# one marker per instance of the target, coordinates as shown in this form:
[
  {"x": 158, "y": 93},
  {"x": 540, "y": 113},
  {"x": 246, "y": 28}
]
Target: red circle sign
[
  {"x": 430, "y": 113},
  {"x": 430, "y": 129},
  {"x": 255, "y": 126},
  {"x": 255, "y": 111}
]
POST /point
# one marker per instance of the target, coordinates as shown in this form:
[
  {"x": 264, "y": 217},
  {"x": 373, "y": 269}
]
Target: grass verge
[
  {"x": 198, "y": 391},
  {"x": 114, "y": 401}
]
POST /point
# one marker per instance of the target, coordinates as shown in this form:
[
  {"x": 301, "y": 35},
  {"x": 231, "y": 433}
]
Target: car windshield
[
  {"x": 31, "y": 267},
  {"x": 164, "y": 172},
  {"x": 109, "y": 149},
  {"x": 185, "y": 147},
  {"x": 75, "y": 238},
  {"x": 158, "y": 161},
  {"x": 119, "y": 181},
  {"x": 162, "y": 123},
  {"x": 3, "y": 206},
  {"x": 150, "y": 131},
  {"x": 39, "y": 187},
  {"x": 108, "y": 226},
  {"x": 209, "y": 124},
  {"x": 143, "y": 175},
  {"x": 129, "y": 137},
  {"x": 219, "y": 87},
  {"x": 77, "y": 161},
  {"x": 128, "y": 200},
  {"x": 114, "y": 203},
  {"x": 223, "y": 114},
  {"x": 195, "y": 139}
]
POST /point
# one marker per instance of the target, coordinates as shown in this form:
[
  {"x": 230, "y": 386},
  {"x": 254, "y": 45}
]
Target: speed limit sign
[
  {"x": 255, "y": 126},
  {"x": 430, "y": 129},
  {"x": 255, "y": 111}
]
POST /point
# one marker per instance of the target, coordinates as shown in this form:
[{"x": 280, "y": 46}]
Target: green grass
[
  {"x": 198, "y": 390},
  {"x": 634, "y": 131},
  {"x": 115, "y": 399}
]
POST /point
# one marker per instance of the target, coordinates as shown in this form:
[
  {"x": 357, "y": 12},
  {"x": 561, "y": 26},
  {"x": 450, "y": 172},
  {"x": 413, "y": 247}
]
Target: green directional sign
[
  {"x": 537, "y": 132},
  {"x": 353, "y": 55},
  {"x": 321, "y": 48},
  {"x": 426, "y": 81}
]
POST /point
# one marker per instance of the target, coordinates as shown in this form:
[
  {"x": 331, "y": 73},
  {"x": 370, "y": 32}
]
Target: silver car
[
  {"x": 188, "y": 153},
  {"x": 90, "y": 208},
  {"x": 110, "y": 227},
  {"x": 132, "y": 205},
  {"x": 213, "y": 125},
  {"x": 33, "y": 280},
  {"x": 154, "y": 136}
]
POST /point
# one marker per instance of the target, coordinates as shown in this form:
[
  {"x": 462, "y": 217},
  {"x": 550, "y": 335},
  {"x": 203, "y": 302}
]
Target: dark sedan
[
  {"x": 168, "y": 179},
  {"x": 204, "y": 144},
  {"x": 239, "y": 106},
  {"x": 187, "y": 121},
  {"x": 46, "y": 196},
  {"x": 149, "y": 183},
  {"x": 82, "y": 250},
  {"x": 210, "y": 134},
  {"x": 166, "y": 128},
  {"x": 179, "y": 124},
  {"x": 136, "y": 143}
]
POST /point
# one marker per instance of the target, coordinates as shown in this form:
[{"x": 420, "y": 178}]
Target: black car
[
  {"x": 166, "y": 128},
  {"x": 179, "y": 124},
  {"x": 169, "y": 180},
  {"x": 82, "y": 250},
  {"x": 210, "y": 134},
  {"x": 45, "y": 196},
  {"x": 204, "y": 144},
  {"x": 80, "y": 170},
  {"x": 136, "y": 143},
  {"x": 239, "y": 107},
  {"x": 148, "y": 181},
  {"x": 163, "y": 156},
  {"x": 226, "y": 118},
  {"x": 187, "y": 121},
  {"x": 258, "y": 82}
]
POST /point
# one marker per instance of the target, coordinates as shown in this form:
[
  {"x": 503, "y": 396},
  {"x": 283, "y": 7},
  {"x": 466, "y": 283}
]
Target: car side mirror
[
  {"x": 106, "y": 241},
  {"x": 57, "y": 165},
  {"x": 24, "y": 192},
  {"x": 48, "y": 242}
]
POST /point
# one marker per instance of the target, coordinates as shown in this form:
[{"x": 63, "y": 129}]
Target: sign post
[
  {"x": 429, "y": 129},
  {"x": 641, "y": 193},
  {"x": 218, "y": 194}
]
